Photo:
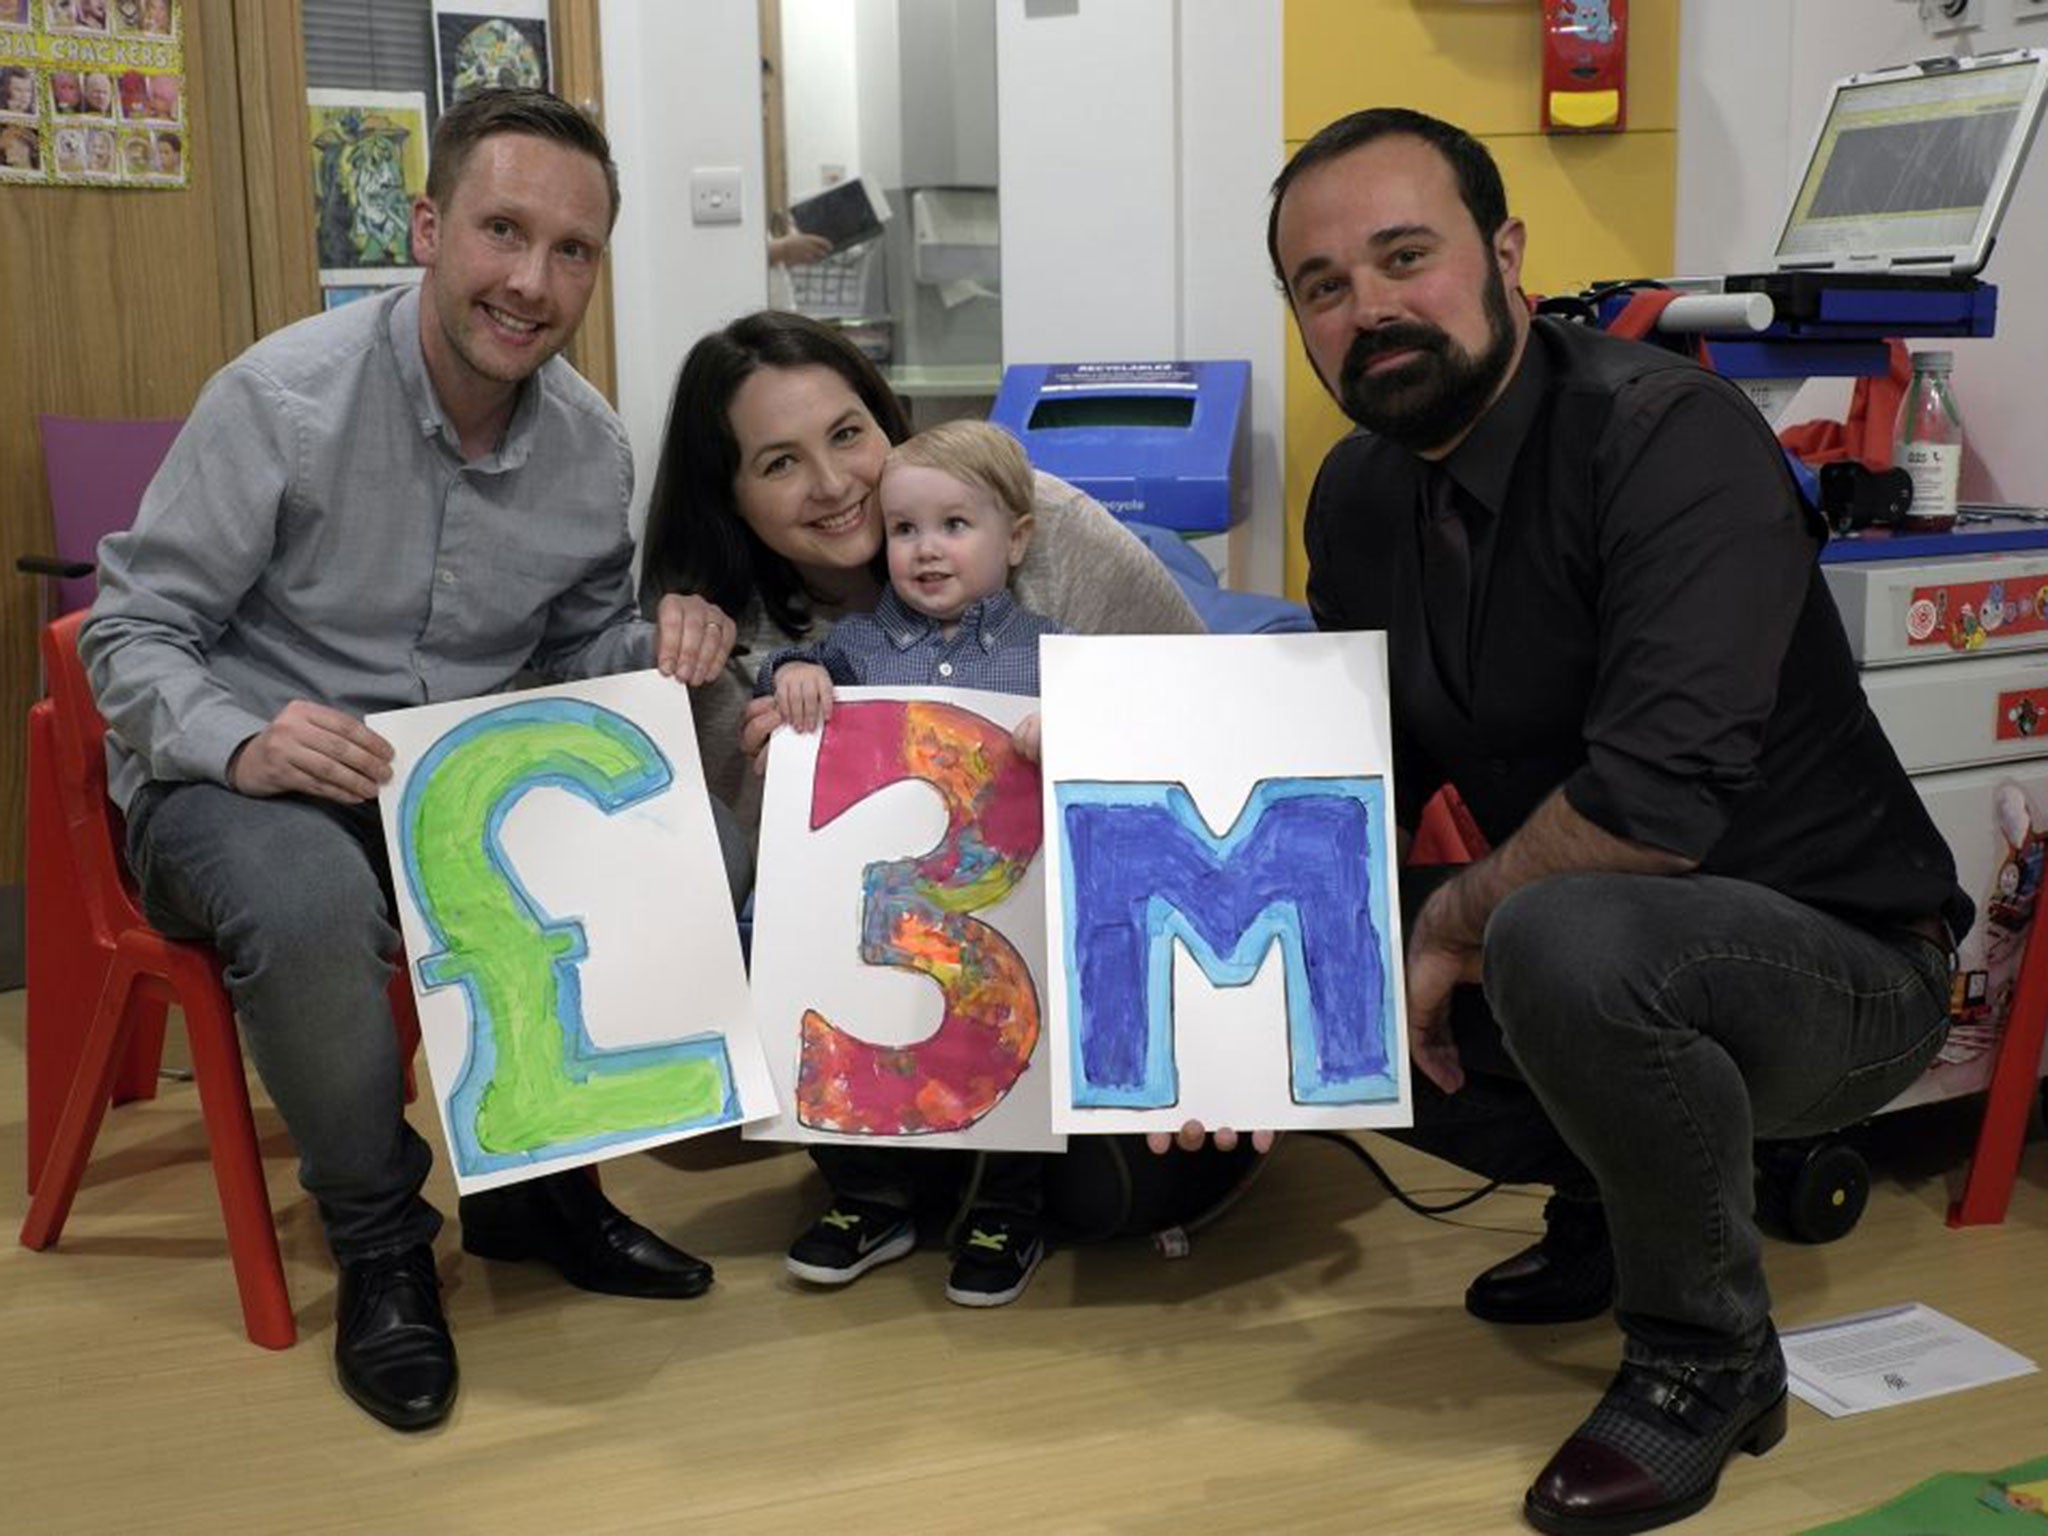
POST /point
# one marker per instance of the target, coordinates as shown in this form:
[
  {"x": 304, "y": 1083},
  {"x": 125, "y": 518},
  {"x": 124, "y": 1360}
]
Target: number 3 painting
[
  {"x": 899, "y": 926},
  {"x": 568, "y": 926}
]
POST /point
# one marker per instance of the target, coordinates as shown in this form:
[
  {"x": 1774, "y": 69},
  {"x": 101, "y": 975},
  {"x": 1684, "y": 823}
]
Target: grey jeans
[
  {"x": 1637, "y": 1034},
  {"x": 295, "y": 893}
]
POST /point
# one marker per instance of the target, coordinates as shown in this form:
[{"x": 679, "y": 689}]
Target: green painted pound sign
[{"x": 534, "y": 1086}]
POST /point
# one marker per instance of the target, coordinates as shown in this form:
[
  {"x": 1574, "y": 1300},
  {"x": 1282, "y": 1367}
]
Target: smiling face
[
  {"x": 950, "y": 542},
  {"x": 17, "y": 91},
  {"x": 99, "y": 94},
  {"x": 1402, "y": 302},
  {"x": 510, "y": 265},
  {"x": 810, "y": 457}
]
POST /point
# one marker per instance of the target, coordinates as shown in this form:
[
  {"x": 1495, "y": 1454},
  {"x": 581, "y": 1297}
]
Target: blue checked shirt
[{"x": 995, "y": 647}]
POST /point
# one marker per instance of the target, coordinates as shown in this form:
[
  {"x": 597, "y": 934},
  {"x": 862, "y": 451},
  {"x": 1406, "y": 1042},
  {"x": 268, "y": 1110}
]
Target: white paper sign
[
  {"x": 1221, "y": 912},
  {"x": 1897, "y": 1355},
  {"x": 899, "y": 926},
  {"x": 568, "y": 926}
]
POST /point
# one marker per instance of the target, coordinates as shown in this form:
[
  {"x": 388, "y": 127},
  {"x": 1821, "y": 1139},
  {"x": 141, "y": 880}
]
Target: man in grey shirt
[{"x": 407, "y": 500}]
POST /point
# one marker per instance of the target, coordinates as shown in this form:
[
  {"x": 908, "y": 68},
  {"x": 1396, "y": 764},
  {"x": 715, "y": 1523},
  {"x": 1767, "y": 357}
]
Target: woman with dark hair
[{"x": 765, "y": 504}]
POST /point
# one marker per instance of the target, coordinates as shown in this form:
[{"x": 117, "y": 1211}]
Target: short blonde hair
[{"x": 979, "y": 453}]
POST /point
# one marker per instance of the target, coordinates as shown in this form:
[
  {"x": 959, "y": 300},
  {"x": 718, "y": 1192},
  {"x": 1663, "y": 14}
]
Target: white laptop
[{"x": 1909, "y": 174}]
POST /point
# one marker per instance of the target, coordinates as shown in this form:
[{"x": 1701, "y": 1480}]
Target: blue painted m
[{"x": 1141, "y": 870}]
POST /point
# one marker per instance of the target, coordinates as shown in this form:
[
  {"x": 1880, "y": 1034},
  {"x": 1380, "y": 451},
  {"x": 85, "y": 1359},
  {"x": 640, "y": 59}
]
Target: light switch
[{"x": 715, "y": 195}]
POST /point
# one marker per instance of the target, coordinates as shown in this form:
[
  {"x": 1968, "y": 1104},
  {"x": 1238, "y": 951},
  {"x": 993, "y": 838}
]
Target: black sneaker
[
  {"x": 849, "y": 1240},
  {"x": 994, "y": 1260}
]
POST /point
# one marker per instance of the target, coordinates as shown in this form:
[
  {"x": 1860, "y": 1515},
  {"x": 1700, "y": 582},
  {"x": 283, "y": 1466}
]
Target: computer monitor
[{"x": 1912, "y": 167}]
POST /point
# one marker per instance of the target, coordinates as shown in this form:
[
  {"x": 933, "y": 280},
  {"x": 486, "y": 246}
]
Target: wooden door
[{"x": 122, "y": 303}]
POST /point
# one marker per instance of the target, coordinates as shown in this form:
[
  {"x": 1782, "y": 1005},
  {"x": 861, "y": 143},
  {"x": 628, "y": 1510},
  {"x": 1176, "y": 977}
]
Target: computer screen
[{"x": 1913, "y": 168}]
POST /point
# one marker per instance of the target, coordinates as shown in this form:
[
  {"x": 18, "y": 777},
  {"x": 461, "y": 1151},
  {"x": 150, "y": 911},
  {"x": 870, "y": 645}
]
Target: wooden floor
[{"x": 1307, "y": 1368}]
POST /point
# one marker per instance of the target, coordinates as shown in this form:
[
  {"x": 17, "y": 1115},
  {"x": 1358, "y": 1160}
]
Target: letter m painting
[{"x": 1294, "y": 882}]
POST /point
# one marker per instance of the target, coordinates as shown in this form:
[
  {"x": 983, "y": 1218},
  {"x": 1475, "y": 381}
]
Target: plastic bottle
[{"x": 1929, "y": 444}]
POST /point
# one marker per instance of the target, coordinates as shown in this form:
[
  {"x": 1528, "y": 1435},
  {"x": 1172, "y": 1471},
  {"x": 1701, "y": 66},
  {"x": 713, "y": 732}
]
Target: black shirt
[{"x": 1647, "y": 627}]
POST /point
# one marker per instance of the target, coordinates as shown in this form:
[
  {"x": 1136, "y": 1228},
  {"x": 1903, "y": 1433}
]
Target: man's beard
[{"x": 1428, "y": 400}]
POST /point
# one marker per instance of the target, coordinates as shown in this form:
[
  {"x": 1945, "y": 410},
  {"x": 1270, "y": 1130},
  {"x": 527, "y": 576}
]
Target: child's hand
[
  {"x": 803, "y": 692},
  {"x": 1025, "y": 737}
]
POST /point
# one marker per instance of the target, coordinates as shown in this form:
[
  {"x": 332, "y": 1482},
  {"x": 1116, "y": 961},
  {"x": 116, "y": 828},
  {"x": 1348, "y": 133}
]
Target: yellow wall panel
[
  {"x": 1597, "y": 207},
  {"x": 1478, "y": 63}
]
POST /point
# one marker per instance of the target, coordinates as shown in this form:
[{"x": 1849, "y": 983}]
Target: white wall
[
  {"x": 879, "y": 62},
  {"x": 682, "y": 89},
  {"x": 820, "y": 91},
  {"x": 1752, "y": 81},
  {"x": 1137, "y": 140}
]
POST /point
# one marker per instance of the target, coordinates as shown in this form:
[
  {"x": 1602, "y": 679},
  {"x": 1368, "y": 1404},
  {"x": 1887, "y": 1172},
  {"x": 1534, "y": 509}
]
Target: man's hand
[
  {"x": 692, "y": 638},
  {"x": 1191, "y": 1136},
  {"x": 310, "y": 749},
  {"x": 1439, "y": 959},
  {"x": 803, "y": 693}
]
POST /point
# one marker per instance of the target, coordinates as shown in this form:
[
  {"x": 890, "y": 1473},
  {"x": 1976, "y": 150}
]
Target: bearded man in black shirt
[{"x": 1714, "y": 909}]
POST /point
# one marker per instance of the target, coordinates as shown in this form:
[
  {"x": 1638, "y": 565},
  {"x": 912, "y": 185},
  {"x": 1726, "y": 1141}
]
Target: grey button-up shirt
[{"x": 316, "y": 533}]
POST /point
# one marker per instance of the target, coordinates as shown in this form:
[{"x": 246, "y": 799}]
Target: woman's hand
[
  {"x": 760, "y": 720},
  {"x": 692, "y": 638},
  {"x": 1025, "y": 737}
]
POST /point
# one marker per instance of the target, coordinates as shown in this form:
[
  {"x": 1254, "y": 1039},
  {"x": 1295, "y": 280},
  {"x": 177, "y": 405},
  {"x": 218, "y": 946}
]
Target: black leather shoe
[
  {"x": 1566, "y": 1278},
  {"x": 1653, "y": 1450},
  {"x": 391, "y": 1344},
  {"x": 563, "y": 1219}
]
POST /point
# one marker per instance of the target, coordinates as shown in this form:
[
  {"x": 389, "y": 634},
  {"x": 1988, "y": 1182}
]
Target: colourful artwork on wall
[
  {"x": 899, "y": 926},
  {"x": 558, "y": 877},
  {"x": 92, "y": 94},
  {"x": 1222, "y": 906},
  {"x": 480, "y": 47},
  {"x": 369, "y": 161}
]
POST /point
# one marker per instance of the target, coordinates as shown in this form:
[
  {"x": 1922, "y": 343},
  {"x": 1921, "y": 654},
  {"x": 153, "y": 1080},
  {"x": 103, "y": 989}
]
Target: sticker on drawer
[
  {"x": 1965, "y": 615},
  {"x": 2023, "y": 713}
]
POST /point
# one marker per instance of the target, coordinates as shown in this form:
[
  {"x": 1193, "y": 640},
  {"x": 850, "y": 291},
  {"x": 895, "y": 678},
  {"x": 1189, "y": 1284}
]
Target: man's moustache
[{"x": 1379, "y": 343}]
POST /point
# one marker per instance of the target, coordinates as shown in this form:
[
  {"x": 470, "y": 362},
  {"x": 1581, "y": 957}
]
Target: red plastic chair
[{"x": 99, "y": 981}]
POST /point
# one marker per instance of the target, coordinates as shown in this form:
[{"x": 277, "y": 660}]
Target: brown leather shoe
[{"x": 1653, "y": 1448}]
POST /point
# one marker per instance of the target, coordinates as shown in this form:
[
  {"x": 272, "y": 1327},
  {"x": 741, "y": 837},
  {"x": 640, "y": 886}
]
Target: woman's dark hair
[{"x": 696, "y": 539}]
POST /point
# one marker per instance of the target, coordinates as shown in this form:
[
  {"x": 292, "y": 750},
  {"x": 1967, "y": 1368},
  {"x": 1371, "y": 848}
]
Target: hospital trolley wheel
[{"x": 1813, "y": 1191}]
